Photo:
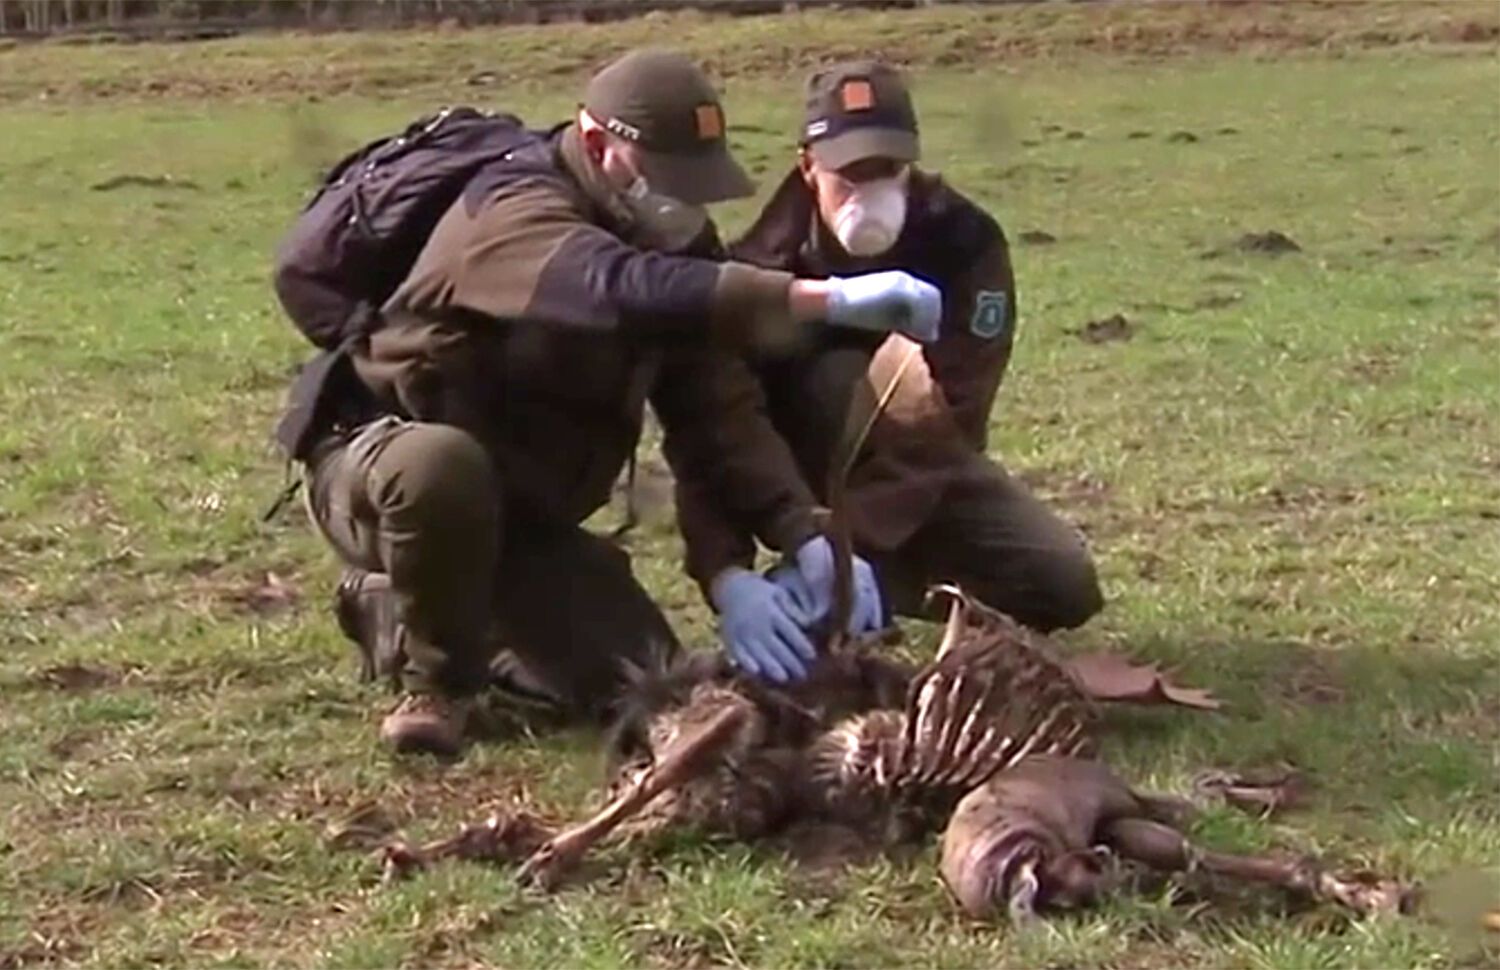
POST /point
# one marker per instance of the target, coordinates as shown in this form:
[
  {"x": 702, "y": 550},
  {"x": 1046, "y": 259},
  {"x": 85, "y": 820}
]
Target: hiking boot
[
  {"x": 427, "y": 723},
  {"x": 366, "y": 612}
]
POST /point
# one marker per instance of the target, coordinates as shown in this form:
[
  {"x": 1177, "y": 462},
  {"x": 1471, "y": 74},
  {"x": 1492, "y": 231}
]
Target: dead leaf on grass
[{"x": 1110, "y": 677}]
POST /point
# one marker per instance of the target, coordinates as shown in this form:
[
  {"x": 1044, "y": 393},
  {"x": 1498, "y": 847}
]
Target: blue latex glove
[
  {"x": 892, "y": 300},
  {"x": 758, "y": 623},
  {"x": 810, "y": 584}
]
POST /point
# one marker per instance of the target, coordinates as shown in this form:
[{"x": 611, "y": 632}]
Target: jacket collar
[{"x": 587, "y": 175}]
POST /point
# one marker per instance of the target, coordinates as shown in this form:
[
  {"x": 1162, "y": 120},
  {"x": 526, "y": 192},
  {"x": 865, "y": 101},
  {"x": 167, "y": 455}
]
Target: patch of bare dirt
[
  {"x": 72, "y": 743},
  {"x": 1375, "y": 367},
  {"x": 1037, "y": 237},
  {"x": 1272, "y": 242},
  {"x": 1211, "y": 301},
  {"x": 1299, "y": 497},
  {"x": 1066, "y": 487},
  {"x": 1217, "y": 301},
  {"x": 131, "y": 180},
  {"x": 1111, "y": 329},
  {"x": 1313, "y": 682},
  {"x": 76, "y": 677}
]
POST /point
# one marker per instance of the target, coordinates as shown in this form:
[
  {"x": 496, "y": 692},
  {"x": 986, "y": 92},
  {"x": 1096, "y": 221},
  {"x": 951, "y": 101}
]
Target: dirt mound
[
  {"x": 1269, "y": 243},
  {"x": 1111, "y": 329}
]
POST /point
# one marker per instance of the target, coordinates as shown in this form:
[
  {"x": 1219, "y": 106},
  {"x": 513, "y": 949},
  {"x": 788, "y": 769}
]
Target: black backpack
[
  {"x": 356, "y": 240},
  {"x": 358, "y": 237}
]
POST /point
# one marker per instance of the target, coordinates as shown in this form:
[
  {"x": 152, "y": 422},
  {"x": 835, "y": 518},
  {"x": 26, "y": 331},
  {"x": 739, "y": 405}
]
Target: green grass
[{"x": 1290, "y": 475}]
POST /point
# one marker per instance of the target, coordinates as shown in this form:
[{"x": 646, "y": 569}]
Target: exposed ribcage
[{"x": 993, "y": 696}]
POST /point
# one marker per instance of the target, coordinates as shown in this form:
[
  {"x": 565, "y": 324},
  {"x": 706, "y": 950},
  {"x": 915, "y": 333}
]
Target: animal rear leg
[
  {"x": 1162, "y": 847},
  {"x": 1166, "y": 809}
]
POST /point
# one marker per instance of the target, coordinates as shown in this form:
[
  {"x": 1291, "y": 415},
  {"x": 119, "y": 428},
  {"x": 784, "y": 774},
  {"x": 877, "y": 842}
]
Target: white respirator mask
[
  {"x": 870, "y": 220},
  {"x": 667, "y": 223}
]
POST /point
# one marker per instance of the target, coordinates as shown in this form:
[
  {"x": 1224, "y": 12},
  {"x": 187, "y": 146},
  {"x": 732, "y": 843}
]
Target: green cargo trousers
[
  {"x": 989, "y": 534},
  {"x": 471, "y": 573}
]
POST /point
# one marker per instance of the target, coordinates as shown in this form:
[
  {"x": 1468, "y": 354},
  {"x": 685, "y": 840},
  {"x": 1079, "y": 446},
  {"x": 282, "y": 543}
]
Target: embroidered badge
[
  {"x": 710, "y": 121},
  {"x": 991, "y": 314},
  {"x": 857, "y": 95}
]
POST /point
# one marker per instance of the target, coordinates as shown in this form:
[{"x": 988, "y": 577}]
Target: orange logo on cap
[
  {"x": 710, "y": 121},
  {"x": 857, "y": 96}
]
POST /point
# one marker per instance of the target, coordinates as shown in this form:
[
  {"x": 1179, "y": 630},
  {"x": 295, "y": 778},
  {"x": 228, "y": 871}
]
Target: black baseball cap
[
  {"x": 858, "y": 110},
  {"x": 664, "y": 103}
]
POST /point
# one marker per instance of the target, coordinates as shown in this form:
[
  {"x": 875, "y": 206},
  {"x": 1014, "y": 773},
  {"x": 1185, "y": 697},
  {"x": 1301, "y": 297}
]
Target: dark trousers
[
  {"x": 991, "y": 536},
  {"x": 988, "y": 533},
  {"x": 472, "y": 573}
]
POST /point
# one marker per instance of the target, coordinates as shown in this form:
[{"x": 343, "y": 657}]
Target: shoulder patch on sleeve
[{"x": 991, "y": 314}]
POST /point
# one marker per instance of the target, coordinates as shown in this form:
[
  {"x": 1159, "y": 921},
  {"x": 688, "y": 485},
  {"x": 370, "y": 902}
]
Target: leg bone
[{"x": 685, "y": 761}]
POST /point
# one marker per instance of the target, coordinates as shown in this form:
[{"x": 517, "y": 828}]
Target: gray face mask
[{"x": 663, "y": 222}]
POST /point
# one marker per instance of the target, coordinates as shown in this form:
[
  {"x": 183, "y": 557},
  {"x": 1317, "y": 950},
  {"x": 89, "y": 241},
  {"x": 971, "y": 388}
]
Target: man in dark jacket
[
  {"x": 506, "y": 383},
  {"x": 926, "y": 503}
]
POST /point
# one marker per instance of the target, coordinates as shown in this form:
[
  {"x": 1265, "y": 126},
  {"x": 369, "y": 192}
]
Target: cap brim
[
  {"x": 858, "y": 144},
  {"x": 699, "y": 178}
]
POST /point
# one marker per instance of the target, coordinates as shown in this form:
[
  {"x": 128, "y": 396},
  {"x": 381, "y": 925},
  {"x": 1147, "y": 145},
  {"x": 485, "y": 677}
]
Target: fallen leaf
[{"x": 1110, "y": 677}]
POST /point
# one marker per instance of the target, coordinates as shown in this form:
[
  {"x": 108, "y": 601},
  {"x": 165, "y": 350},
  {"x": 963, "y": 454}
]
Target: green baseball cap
[
  {"x": 664, "y": 103},
  {"x": 858, "y": 110}
]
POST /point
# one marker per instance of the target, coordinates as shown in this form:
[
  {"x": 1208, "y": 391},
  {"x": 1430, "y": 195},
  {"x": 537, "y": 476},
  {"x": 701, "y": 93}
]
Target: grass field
[{"x": 1291, "y": 476}]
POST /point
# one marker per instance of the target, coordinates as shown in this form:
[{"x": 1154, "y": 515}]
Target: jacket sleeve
[
  {"x": 527, "y": 251},
  {"x": 970, "y": 358},
  {"x": 736, "y": 476}
]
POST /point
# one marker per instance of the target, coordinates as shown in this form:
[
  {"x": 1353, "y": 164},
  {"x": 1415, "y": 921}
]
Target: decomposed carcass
[
  {"x": 700, "y": 745},
  {"x": 993, "y": 695},
  {"x": 1043, "y": 834},
  {"x": 865, "y": 742}
]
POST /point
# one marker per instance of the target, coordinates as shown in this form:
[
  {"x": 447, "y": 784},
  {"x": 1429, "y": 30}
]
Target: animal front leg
[
  {"x": 503, "y": 837},
  {"x": 1163, "y": 847},
  {"x": 683, "y": 762}
]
